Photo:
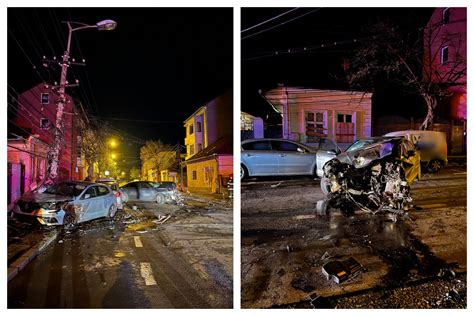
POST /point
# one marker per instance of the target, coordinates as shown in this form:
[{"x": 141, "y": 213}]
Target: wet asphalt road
[
  {"x": 285, "y": 242},
  {"x": 108, "y": 264}
]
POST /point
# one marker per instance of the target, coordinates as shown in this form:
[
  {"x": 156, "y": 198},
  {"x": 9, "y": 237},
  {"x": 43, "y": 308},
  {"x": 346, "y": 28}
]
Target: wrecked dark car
[{"x": 373, "y": 177}]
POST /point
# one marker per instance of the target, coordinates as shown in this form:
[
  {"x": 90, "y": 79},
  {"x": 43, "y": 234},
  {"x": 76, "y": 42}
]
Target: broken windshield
[{"x": 66, "y": 189}]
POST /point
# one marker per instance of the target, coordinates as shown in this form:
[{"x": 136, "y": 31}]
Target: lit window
[
  {"x": 44, "y": 98},
  {"x": 446, "y": 16},
  {"x": 444, "y": 54}
]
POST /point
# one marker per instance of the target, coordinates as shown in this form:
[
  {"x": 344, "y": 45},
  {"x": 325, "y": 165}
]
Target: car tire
[
  {"x": 243, "y": 172},
  {"x": 434, "y": 166},
  {"x": 326, "y": 188},
  {"x": 69, "y": 221},
  {"x": 112, "y": 211},
  {"x": 160, "y": 199}
]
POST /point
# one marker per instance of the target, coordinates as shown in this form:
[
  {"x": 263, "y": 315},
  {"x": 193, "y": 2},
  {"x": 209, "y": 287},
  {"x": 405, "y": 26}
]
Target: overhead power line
[
  {"x": 280, "y": 24},
  {"x": 275, "y": 17}
]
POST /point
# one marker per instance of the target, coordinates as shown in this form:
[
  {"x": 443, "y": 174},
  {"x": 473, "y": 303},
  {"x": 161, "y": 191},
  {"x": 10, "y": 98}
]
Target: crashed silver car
[
  {"x": 159, "y": 192},
  {"x": 373, "y": 177},
  {"x": 67, "y": 203}
]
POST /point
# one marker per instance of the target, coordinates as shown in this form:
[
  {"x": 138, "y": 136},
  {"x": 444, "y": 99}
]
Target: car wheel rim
[{"x": 242, "y": 172}]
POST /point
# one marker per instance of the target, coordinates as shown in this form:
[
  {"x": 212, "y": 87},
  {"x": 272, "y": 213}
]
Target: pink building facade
[
  {"x": 445, "y": 56},
  {"x": 33, "y": 115}
]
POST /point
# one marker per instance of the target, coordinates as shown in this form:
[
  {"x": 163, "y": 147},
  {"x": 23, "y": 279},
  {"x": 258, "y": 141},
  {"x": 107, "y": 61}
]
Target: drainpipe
[{"x": 287, "y": 115}]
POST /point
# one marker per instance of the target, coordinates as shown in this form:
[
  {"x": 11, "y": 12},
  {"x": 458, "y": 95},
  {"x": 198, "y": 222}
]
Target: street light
[{"x": 106, "y": 25}]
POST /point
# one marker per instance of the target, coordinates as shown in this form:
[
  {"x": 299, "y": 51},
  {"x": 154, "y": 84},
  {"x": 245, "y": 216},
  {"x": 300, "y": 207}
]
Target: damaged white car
[
  {"x": 373, "y": 177},
  {"x": 67, "y": 203}
]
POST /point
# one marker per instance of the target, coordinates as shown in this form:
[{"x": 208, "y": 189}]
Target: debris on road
[
  {"x": 161, "y": 219},
  {"x": 340, "y": 271},
  {"x": 275, "y": 185}
]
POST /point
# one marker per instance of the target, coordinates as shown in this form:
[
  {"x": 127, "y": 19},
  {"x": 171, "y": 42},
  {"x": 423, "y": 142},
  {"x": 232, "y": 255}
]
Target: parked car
[
  {"x": 67, "y": 203},
  {"x": 113, "y": 184},
  {"x": 373, "y": 177},
  {"x": 281, "y": 157},
  {"x": 431, "y": 145},
  {"x": 160, "y": 192}
]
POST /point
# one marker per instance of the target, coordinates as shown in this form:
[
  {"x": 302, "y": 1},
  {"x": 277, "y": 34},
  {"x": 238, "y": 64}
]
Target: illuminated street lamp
[
  {"x": 113, "y": 143},
  {"x": 113, "y": 156}
]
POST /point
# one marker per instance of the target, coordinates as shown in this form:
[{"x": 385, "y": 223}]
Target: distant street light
[
  {"x": 106, "y": 172},
  {"x": 106, "y": 25},
  {"x": 113, "y": 156}
]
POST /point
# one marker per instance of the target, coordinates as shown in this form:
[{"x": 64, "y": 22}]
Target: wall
[
  {"x": 29, "y": 112},
  {"x": 202, "y": 183}
]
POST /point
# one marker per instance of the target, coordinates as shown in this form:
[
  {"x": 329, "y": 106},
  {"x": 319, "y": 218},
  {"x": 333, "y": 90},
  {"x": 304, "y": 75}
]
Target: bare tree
[
  {"x": 411, "y": 60},
  {"x": 157, "y": 154}
]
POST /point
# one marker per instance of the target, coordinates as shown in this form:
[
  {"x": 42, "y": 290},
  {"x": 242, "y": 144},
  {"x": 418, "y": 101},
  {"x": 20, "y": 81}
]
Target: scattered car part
[{"x": 340, "y": 271}]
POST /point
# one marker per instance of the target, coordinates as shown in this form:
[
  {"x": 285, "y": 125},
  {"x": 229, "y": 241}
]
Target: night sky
[
  {"x": 159, "y": 64},
  {"x": 319, "y": 68}
]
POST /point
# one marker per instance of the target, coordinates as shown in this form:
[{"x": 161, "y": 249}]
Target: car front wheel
[
  {"x": 69, "y": 221},
  {"x": 434, "y": 166},
  {"x": 160, "y": 199}
]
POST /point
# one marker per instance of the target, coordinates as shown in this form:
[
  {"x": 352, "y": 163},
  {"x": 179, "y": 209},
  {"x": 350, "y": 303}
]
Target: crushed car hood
[{"x": 44, "y": 197}]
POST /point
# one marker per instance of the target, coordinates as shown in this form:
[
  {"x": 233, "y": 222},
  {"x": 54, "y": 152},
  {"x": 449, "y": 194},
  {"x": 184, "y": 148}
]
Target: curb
[{"x": 29, "y": 255}]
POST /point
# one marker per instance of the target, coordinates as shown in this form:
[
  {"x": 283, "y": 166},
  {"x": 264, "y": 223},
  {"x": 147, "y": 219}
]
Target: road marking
[
  {"x": 305, "y": 216},
  {"x": 147, "y": 273},
  {"x": 138, "y": 242},
  {"x": 463, "y": 173}
]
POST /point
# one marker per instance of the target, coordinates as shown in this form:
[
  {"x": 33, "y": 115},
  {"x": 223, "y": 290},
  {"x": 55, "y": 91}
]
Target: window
[
  {"x": 199, "y": 147},
  {"x": 260, "y": 145},
  {"x": 446, "y": 16},
  {"x": 327, "y": 145},
  {"x": 44, "y": 123},
  {"x": 344, "y": 118},
  {"x": 102, "y": 190},
  {"x": 194, "y": 175},
  {"x": 92, "y": 193},
  {"x": 198, "y": 127},
  {"x": 191, "y": 150},
  {"x": 444, "y": 54},
  {"x": 44, "y": 98},
  {"x": 314, "y": 126},
  {"x": 191, "y": 129},
  {"x": 285, "y": 146}
]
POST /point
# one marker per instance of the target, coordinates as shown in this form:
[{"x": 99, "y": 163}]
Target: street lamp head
[{"x": 106, "y": 25}]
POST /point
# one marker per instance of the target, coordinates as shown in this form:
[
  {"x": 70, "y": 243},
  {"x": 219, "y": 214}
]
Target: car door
[
  {"x": 293, "y": 159},
  {"x": 146, "y": 191},
  {"x": 131, "y": 190},
  {"x": 328, "y": 150},
  {"x": 89, "y": 203},
  {"x": 105, "y": 198},
  {"x": 259, "y": 158}
]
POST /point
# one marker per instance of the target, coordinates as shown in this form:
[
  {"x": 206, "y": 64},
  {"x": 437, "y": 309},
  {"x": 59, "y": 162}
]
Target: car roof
[{"x": 269, "y": 139}]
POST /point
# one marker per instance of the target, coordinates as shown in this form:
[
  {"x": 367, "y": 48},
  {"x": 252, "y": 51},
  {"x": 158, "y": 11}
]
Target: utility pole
[{"x": 54, "y": 154}]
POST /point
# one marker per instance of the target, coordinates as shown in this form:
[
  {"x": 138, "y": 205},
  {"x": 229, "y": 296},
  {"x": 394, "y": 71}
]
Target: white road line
[
  {"x": 147, "y": 273},
  {"x": 138, "y": 242}
]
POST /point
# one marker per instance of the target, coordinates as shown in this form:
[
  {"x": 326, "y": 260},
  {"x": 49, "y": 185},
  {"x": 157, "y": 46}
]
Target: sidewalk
[
  {"x": 24, "y": 244},
  {"x": 209, "y": 197}
]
